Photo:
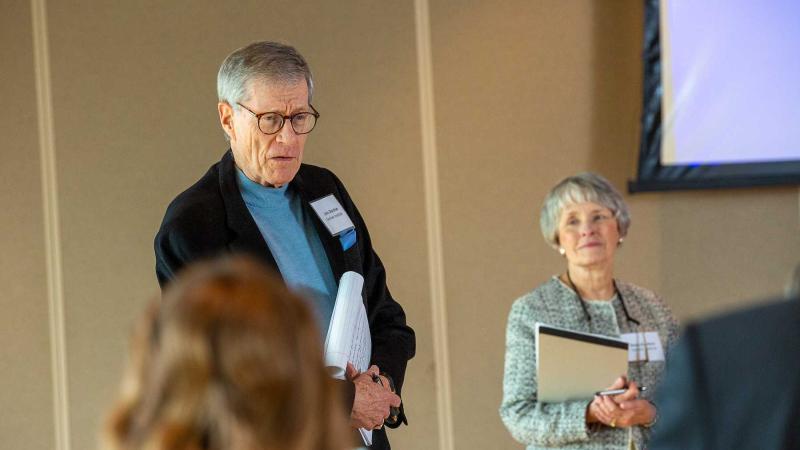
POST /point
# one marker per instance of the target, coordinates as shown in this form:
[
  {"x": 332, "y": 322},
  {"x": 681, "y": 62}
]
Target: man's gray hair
[
  {"x": 583, "y": 187},
  {"x": 265, "y": 60}
]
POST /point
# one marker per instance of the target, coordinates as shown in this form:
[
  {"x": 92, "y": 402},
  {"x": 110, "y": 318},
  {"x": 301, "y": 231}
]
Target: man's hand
[{"x": 372, "y": 401}]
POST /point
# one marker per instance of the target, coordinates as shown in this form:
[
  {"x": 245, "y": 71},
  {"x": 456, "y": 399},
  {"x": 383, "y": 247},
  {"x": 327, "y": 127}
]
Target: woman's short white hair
[{"x": 583, "y": 187}]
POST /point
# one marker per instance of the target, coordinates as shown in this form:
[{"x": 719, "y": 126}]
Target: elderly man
[{"x": 259, "y": 199}]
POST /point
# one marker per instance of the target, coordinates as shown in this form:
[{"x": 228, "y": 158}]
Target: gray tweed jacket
[{"x": 562, "y": 425}]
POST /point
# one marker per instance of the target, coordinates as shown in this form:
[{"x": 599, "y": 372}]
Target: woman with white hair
[{"x": 585, "y": 219}]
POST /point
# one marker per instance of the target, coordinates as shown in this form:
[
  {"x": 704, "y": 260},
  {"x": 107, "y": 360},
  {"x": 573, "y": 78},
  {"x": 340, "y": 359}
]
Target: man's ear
[{"x": 226, "y": 119}]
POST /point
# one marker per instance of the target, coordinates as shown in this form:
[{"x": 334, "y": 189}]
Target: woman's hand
[
  {"x": 623, "y": 410},
  {"x": 598, "y": 411}
]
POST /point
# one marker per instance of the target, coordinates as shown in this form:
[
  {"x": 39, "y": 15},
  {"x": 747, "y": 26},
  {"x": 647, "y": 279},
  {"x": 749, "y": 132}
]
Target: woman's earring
[
  {"x": 562, "y": 251},
  {"x": 619, "y": 242}
]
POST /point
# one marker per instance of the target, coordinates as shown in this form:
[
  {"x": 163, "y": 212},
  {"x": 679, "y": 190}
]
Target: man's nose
[{"x": 286, "y": 133}]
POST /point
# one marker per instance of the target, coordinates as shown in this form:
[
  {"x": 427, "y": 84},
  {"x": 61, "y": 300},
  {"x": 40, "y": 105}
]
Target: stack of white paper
[{"x": 348, "y": 336}]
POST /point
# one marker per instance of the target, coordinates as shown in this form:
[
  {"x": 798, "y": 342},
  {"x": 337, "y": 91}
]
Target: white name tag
[
  {"x": 332, "y": 214},
  {"x": 644, "y": 346}
]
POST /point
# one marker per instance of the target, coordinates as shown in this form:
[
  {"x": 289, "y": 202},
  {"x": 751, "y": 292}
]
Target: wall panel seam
[
  {"x": 52, "y": 238},
  {"x": 434, "y": 226}
]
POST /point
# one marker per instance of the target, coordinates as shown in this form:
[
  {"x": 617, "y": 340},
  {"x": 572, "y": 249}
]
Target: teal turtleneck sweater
[{"x": 290, "y": 234}]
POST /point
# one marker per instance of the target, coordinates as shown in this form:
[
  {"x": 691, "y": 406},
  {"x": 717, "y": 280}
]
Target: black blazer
[
  {"x": 733, "y": 382},
  {"x": 210, "y": 218}
]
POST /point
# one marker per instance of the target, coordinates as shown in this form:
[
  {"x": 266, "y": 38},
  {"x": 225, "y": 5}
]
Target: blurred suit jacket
[{"x": 733, "y": 382}]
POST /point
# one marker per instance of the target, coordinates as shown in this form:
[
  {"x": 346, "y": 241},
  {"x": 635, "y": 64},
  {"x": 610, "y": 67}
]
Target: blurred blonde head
[{"x": 231, "y": 360}]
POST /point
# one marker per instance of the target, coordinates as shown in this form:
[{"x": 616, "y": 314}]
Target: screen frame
[{"x": 654, "y": 176}]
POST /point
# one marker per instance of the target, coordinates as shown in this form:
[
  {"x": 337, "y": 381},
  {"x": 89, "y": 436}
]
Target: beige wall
[
  {"x": 525, "y": 93},
  {"x": 26, "y": 418}
]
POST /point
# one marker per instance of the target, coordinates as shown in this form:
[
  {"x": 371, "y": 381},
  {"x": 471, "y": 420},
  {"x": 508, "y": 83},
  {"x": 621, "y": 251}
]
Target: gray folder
[{"x": 572, "y": 365}]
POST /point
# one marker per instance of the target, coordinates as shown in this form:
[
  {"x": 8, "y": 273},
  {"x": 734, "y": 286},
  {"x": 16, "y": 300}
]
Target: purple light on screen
[{"x": 735, "y": 68}]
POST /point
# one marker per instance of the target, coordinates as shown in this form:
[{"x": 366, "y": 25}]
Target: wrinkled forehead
[{"x": 263, "y": 87}]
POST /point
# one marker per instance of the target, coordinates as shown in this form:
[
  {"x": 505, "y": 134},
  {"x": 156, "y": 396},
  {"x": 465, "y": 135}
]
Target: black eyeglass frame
[{"x": 258, "y": 117}]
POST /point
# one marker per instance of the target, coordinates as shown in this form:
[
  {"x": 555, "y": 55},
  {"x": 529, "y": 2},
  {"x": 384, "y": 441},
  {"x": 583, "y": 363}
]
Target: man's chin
[{"x": 280, "y": 178}]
